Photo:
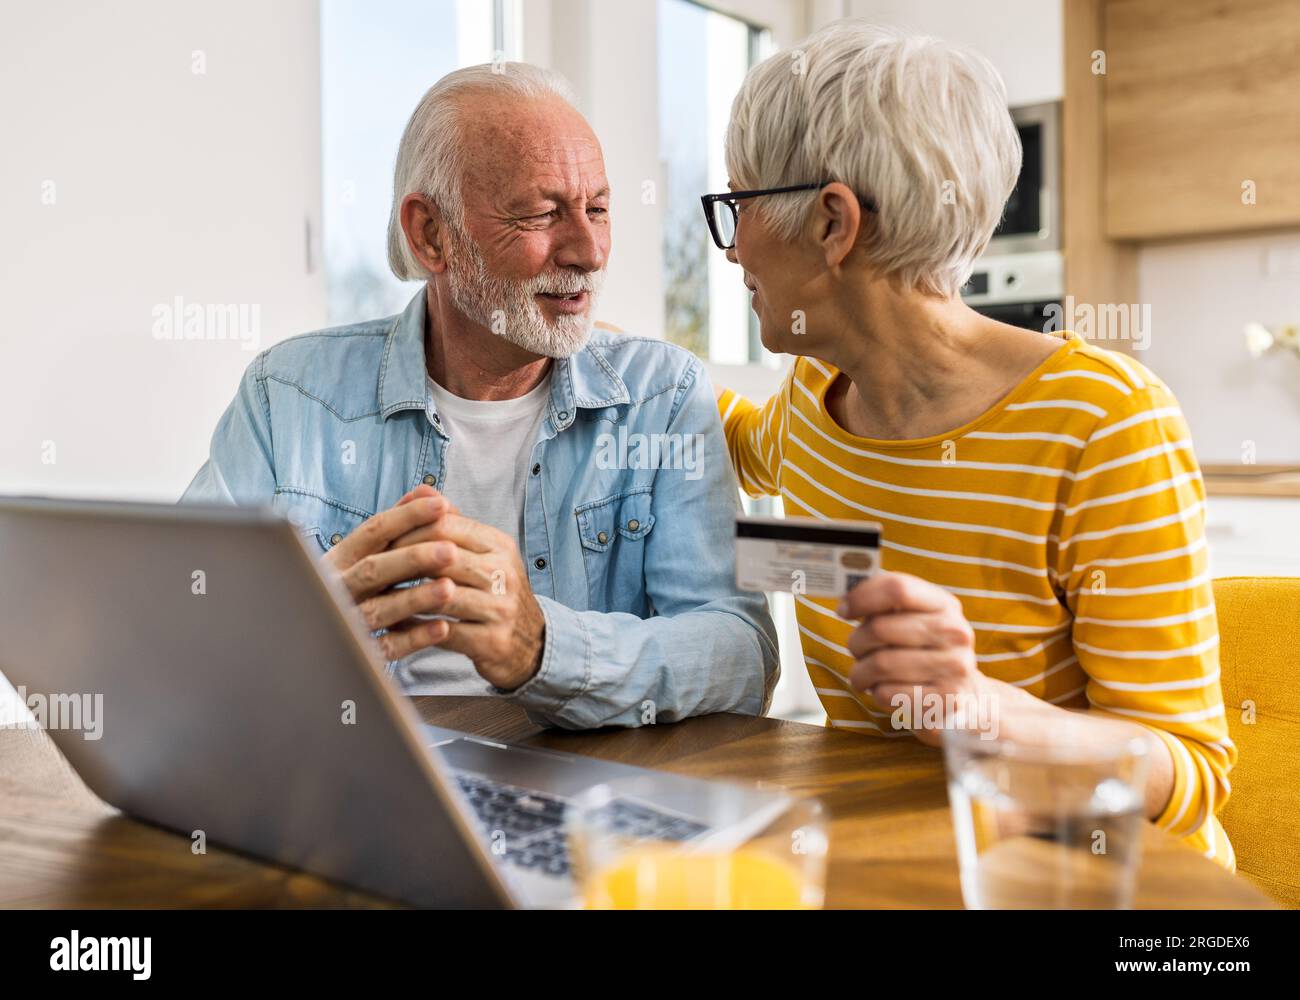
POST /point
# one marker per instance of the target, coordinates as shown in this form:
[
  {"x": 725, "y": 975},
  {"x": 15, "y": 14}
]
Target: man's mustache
[{"x": 564, "y": 283}]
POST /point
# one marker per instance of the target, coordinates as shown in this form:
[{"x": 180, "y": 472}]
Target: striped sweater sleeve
[
  {"x": 755, "y": 436},
  {"x": 1133, "y": 563}
]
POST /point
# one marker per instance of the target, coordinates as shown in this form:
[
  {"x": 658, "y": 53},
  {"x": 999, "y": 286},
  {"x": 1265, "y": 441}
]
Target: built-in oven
[
  {"x": 1031, "y": 221},
  {"x": 1021, "y": 289},
  {"x": 1020, "y": 278}
]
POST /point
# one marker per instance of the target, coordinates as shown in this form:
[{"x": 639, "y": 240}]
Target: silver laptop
[{"x": 240, "y": 697}]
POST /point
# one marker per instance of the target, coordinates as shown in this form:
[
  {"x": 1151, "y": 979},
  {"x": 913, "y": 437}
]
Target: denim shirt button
[
  {"x": 602, "y": 538},
  {"x": 564, "y": 415},
  {"x": 428, "y": 479},
  {"x": 537, "y": 467},
  {"x": 335, "y": 538},
  {"x": 633, "y": 524},
  {"x": 540, "y": 563}
]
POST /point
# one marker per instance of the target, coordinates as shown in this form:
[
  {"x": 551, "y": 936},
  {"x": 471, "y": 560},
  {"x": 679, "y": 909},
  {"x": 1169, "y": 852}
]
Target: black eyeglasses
[{"x": 720, "y": 209}]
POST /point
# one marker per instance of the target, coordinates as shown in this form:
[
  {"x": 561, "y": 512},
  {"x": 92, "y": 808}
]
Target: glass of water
[{"x": 1046, "y": 828}]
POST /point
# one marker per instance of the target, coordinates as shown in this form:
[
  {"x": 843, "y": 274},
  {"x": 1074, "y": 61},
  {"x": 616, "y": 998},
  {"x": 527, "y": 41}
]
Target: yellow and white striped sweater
[{"x": 1068, "y": 519}]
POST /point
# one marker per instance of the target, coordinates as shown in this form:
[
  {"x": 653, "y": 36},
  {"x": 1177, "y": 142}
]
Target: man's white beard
[{"x": 510, "y": 309}]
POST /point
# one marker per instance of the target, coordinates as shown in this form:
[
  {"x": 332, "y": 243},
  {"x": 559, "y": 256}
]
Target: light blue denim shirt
[{"x": 630, "y": 556}]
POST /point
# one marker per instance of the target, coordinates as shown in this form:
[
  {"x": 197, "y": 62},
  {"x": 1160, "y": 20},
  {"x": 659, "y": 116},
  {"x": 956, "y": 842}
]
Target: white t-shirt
[{"x": 485, "y": 470}]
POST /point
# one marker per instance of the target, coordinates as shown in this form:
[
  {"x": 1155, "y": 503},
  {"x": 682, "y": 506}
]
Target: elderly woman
[{"x": 1043, "y": 547}]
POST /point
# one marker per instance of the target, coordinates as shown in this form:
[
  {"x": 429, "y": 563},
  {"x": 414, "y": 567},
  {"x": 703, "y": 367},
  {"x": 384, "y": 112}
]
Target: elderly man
[{"x": 509, "y": 497}]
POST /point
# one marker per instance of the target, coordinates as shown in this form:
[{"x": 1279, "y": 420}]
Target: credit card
[{"x": 805, "y": 556}]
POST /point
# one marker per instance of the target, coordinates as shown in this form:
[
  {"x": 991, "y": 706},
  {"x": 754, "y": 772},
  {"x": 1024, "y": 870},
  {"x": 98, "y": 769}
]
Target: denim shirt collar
[{"x": 585, "y": 380}]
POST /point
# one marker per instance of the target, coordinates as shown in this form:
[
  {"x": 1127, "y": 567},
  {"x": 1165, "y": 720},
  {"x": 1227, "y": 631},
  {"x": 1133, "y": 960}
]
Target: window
[
  {"x": 703, "y": 58},
  {"x": 377, "y": 60}
]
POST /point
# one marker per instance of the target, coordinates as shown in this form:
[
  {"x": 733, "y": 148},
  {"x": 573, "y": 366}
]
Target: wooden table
[{"x": 891, "y": 836}]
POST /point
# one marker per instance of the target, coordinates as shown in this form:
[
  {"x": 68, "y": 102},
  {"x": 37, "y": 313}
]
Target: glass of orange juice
[{"x": 629, "y": 855}]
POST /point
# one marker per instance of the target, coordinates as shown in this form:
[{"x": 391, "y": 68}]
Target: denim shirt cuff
[{"x": 565, "y": 670}]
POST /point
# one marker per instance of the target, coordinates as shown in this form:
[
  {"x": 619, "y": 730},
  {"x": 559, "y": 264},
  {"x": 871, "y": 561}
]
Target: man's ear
[
  {"x": 425, "y": 233},
  {"x": 837, "y": 222}
]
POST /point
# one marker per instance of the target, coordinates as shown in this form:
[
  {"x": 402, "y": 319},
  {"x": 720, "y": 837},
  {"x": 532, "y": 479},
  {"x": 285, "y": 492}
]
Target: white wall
[
  {"x": 1202, "y": 294},
  {"x": 788, "y": 20},
  {"x": 164, "y": 183},
  {"x": 1022, "y": 38}
]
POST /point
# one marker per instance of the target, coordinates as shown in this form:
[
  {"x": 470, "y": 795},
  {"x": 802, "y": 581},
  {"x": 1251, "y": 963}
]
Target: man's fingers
[
  {"x": 376, "y": 573},
  {"x": 436, "y": 597},
  {"x": 468, "y": 569},
  {"x": 425, "y": 491},
  {"x": 886, "y": 593},
  {"x": 420, "y": 491},
  {"x": 375, "y": 534},
  {"x": 465, "y": 532},
  {"x": 468, "y": 604},
  {"x": 379, "y": 571},
  {"x": 467, "y": 638},
  {"x": 401, "y": 641},
  {"x": 392, "y": 607}
]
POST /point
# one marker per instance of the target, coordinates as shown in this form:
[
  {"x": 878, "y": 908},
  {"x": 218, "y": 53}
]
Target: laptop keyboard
[{"x": 527, "y": 827}]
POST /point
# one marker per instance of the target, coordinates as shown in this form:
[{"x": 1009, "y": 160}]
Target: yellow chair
[{"x": 1259, "y": 634}]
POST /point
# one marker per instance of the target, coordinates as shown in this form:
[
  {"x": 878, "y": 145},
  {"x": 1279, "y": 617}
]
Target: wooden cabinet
[{"x": 1202, "y": 111}]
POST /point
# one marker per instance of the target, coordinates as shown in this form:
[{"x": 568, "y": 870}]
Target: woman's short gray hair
[
  {"x": 918, "y": 124},
  {"x": 430, "y": 157}
]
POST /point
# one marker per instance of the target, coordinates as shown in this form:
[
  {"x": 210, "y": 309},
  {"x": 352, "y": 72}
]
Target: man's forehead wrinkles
[
  {"x": 516, "y": 162},
  {"x": 567, "y": 150},
  {"x": 545, "y": 179},
  {"x": 529, "y": 137},
  {"x": 511, "y": 185},
  {"x": 584, "y": 174}
]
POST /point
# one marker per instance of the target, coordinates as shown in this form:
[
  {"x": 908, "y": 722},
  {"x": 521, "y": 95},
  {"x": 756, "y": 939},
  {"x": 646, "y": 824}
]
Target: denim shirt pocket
[
  {"x": 613, "y": 532},
  {"x": 317, "y": 517}
]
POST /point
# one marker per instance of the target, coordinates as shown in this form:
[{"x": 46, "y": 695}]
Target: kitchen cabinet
[{"x": 1202, "y": 116}]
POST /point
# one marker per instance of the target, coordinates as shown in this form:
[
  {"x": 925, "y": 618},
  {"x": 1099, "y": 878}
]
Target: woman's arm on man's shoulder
[{"x": 756, "y": 437}]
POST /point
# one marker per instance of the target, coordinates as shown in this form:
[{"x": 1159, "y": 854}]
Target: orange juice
[{"x": 658, "y": 878}]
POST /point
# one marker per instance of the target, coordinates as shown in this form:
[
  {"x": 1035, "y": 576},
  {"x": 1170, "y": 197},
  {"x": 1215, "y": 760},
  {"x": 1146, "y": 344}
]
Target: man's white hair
[
  {"x": 917, "y": 124},
  {"x": 431, "y": 155}
]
